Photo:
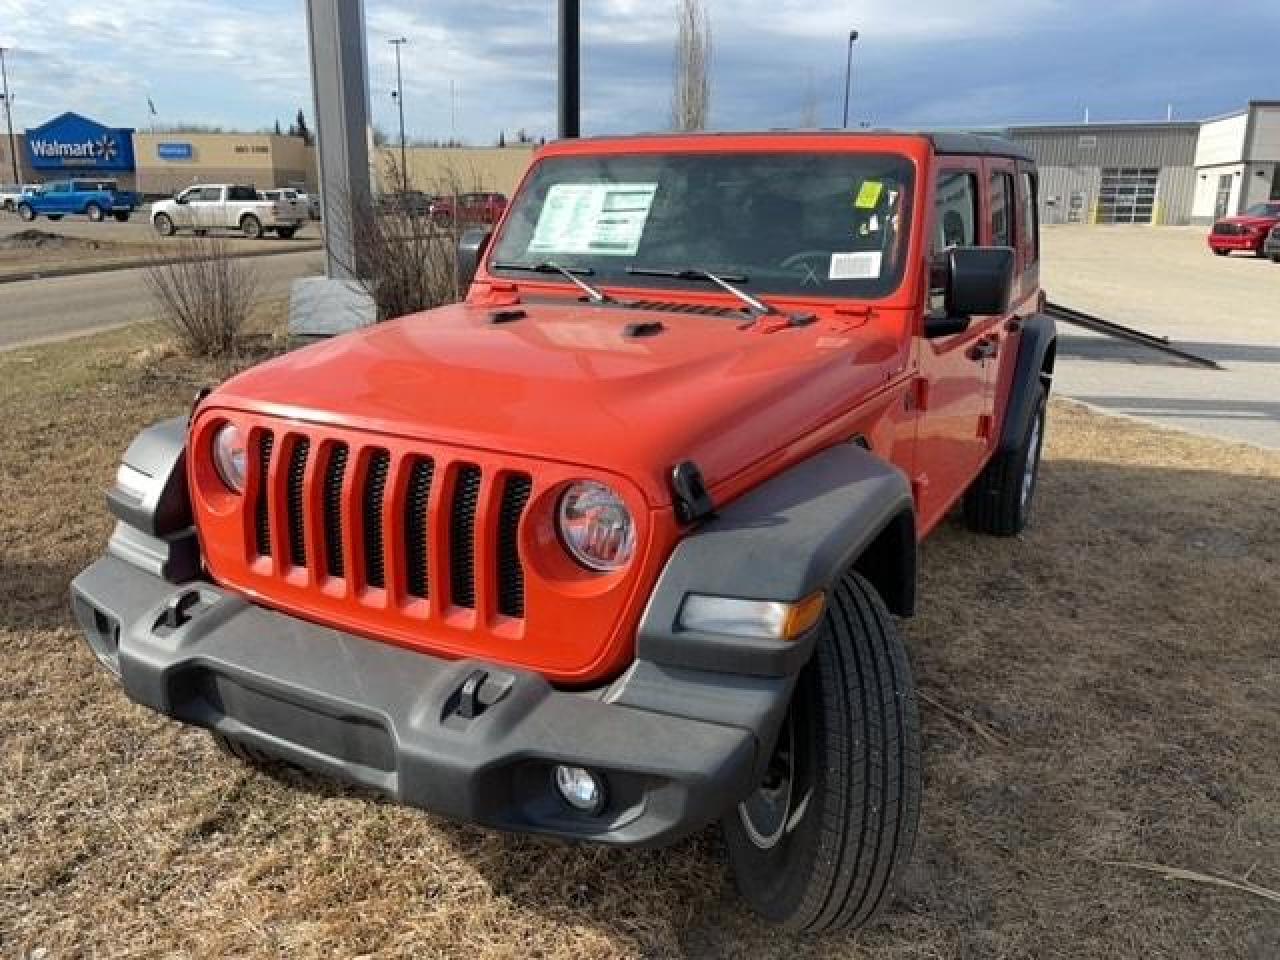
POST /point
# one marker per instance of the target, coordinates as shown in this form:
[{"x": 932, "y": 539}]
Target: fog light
[{"x": 579, "y": 788}]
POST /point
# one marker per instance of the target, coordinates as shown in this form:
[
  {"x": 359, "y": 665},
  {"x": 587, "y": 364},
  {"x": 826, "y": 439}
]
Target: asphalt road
[
  {"x": 37, "y": 311},
  {"x": 138, "y": 230}
]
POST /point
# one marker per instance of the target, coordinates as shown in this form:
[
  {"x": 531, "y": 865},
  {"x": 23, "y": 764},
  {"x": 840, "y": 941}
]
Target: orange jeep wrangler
[{"x": 614, "y": 548}]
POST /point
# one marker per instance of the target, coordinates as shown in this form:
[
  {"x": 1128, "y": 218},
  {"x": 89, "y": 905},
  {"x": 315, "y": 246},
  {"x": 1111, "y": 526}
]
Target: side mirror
[
  {"x": 979, "y": 282},
  {"x": 472, "y": 246}
]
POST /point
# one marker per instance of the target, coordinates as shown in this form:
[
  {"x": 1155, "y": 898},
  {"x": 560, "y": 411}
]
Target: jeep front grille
[{"x": 381, "y": 516}]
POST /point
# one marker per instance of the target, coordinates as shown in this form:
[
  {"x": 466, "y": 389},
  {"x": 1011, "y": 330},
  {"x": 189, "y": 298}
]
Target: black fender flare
[
  {"x": 795, "y": 534},
  {"x": 1037, "y": 344}
]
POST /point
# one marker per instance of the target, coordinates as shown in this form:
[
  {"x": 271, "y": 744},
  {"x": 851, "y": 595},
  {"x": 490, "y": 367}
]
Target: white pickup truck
[{"x": 225, "y": 206}]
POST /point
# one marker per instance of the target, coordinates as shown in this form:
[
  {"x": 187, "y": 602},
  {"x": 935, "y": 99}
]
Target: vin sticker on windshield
[{"x": 864, "y": 265}]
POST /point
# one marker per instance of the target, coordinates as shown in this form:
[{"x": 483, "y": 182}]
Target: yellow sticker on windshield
[{"x": 869, "y": 195}]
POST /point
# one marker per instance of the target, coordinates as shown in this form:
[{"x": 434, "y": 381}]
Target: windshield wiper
[
  {"x": 571, "y": 274},
  {"x": 758, "y": 307}
]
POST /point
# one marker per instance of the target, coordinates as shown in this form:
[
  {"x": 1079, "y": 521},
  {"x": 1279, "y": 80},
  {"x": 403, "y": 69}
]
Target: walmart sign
[{"x": 72, "y": 142}]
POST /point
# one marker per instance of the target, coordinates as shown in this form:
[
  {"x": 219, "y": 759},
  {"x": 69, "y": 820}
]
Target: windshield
[
  {"x": 801, "y": 223},
  {"x": 1264, "y": 210}
]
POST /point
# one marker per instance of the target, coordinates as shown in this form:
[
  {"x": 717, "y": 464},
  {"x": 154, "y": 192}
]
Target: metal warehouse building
[{"x": 1114, "y": 173}]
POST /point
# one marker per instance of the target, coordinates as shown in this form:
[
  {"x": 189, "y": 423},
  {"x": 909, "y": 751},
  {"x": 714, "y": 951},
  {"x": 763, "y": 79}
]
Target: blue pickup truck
[{"x": 96, "y": 199}]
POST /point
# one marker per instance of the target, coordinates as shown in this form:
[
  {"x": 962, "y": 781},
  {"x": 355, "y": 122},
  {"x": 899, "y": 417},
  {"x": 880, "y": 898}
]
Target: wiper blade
[
  {"x": 757, "y": 306},
  {"x": 572, "y": 274}
]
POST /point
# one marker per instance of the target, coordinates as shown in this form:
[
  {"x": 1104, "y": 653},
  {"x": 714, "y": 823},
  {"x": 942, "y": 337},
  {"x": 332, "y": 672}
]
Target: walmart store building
[{"x": 71, "y": 145}]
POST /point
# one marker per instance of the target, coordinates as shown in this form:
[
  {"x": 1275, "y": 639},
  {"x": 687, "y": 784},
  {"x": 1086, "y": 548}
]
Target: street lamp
[
  {"x": 848, "y": 76},
  {"x": 8, "y": 117},
  {"x": 398, "y": 96}
]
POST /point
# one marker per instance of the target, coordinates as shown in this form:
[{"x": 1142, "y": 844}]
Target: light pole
[
  {"x": 570, "y": 70},
  {"x": 398, "y": 42},
  {"x": 848, "y": 76},
  {"x": 8, "y": 119}
]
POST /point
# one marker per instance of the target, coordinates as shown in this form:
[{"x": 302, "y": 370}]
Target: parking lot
[{"x": 1165, "y": 281}]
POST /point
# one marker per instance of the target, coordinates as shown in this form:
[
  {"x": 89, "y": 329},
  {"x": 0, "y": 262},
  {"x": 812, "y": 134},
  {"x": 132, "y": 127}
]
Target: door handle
[{"x": 984, "y": 349}]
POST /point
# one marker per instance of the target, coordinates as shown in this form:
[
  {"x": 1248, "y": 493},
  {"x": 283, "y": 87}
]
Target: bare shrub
[
  {"x": 404, "y": 253},
  {"x": 691, "y": 99},
  {"x": 203, "y": 293}
]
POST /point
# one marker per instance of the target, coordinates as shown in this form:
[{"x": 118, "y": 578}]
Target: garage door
[{"x": 1127, "y": 194}]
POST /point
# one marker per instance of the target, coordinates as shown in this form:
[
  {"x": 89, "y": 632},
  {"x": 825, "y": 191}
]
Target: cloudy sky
[{"x": 243, "y": 63}]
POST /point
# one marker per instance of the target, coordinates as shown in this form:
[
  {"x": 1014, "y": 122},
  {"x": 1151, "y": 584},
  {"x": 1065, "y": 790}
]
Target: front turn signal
[{"x": 765, "y": 619}]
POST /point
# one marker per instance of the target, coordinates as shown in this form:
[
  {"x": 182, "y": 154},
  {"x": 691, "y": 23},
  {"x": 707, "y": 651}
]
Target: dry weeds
[{"x": 1123, "y": 651}]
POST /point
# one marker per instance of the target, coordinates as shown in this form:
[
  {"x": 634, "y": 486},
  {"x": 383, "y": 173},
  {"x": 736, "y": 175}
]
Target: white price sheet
[{"x": 594, "y": 219}]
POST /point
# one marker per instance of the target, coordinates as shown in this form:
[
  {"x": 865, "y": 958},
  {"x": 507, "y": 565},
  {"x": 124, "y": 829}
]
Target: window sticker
[
  {"x": 864, "y": 265},
  {"x": 868, "y": 197},
  {"x": 597, "y": 219}
]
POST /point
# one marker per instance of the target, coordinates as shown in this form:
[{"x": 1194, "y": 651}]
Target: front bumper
[
  {"x": 676, "y": 746},
  {"x": 1235, "y": 241}
]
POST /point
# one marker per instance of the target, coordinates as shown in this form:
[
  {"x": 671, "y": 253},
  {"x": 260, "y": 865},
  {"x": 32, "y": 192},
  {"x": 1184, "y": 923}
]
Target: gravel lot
[{"x": 1165, "y": 281}]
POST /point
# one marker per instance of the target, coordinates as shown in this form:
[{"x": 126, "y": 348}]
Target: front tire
[
  {"x": 818, "y": 845},
  {"x": 163, "y": 224},
  {"x": 26, "y": 213},
  {"x": 122, "y": 216},
  {"x": 94, "y": 212},
  {"x": 251, "y": 226},
  {"x": 999, "y": 501},
  {"x": 1221, "y": 253}
]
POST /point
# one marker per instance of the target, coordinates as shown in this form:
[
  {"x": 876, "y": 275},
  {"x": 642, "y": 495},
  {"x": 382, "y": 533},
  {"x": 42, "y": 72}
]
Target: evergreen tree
[{"x": 300, "y": 128}]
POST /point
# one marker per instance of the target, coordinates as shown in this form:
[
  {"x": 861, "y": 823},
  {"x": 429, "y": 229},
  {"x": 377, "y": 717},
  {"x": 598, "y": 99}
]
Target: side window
[
  {"x": 1001, "y": 210},
  {"x": 956, "y": 210},
  {"x": 242, "y": 193},
  {"x": 1031, "y": 214}
]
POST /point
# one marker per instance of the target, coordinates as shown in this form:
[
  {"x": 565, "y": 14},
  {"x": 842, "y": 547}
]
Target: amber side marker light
[{"x": 765, "y": 619}]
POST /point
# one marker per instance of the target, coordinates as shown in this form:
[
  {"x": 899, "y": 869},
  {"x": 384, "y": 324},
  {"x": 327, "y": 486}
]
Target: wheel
[
  {"x": 163, "y": 224},
  {"x": 94, "y": 212},
  {"x": 1222, "y": 253},
  {"x": 55, "y": 216},
  {"x": 999, "y": 501},
  {"x": 251, "y": 226},
  {"x": 818, "y": 845},
  {"x": 251, "y": 756},
  {"x": 1275, "y": 258},
  {"x": 8, "y": 206},
  {"x": 122, "y": 216},
  {"x": 286, "y": 233},
  {"x": 25, "y": 212}
]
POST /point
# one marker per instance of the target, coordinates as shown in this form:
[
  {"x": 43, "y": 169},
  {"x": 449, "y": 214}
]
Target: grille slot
[
  {"x": 375, "y": 489},
  {"x": 261, "y": 519},
  {"x": 333, "y": 476},
  {"x": 417, "y": 527},
  {"x": 515, "y": 496},
  {"x": 297, "y": 473},
  {"x": 462, "y": 537}
]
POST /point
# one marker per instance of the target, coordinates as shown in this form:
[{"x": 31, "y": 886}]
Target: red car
[
  {"x": 1248, "y": 231},
  {"x": 470, "y": 208}
]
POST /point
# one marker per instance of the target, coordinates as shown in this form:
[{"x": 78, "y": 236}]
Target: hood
[{"x": 565, "y": 382}]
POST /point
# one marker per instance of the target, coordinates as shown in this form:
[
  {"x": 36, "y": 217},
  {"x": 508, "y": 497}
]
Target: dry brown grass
[{"x": 1122, "y": 654}]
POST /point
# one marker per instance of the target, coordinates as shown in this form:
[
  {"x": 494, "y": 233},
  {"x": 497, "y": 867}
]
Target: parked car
[
  {"x": 614, "y": 548},
  {"x": 1272, "y": 247},
  {"x": 297, "y": 202},
  {"x": 413, "y": 203},
  {"x": 1248, "y": 231},
  {"x": 470, "y": 208},
  {"x": 95, "y": 199},
  {"x": 225, "y": 206},
  {"x": 11, "y": 194}
]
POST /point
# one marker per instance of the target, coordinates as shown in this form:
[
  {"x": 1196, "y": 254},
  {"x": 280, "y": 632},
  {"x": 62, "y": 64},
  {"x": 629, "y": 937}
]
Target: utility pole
[
  {"x": 8, "y": 119},
  {"x": 570, "y": 74},
  {"x": 398, "y": 42},
  {"x": 848, "y": 77}
]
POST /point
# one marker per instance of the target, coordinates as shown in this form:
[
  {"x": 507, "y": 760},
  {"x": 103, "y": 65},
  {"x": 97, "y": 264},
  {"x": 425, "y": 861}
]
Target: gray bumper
[{"x": 677, "y": 747}]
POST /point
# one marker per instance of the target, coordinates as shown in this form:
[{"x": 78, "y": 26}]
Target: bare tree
[
  {"x": 203, "y": 293},
  {"x": 691, "y": 99}
]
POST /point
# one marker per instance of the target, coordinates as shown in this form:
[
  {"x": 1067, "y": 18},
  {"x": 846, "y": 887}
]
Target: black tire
[
  {"x": 1275, "y": 258},
  {"x": 817, "y": 847},
  {"x": 999, "y": 501},
  {"x": 286, "y": 233},
  {"x": 25, "y": 212},
  {"x": 163, "y": 224},
  {"x": 122, "y": 216},
  {"x": 94, "y": 213},
  {"x": 55, "y": 216},
  {"x": 1222, "y": 253},
  {"x": 251, "y": 226},
  {"x": 251, "y": 756}
]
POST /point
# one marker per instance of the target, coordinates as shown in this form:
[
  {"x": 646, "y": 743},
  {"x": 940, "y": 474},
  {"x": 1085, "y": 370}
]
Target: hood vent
[{"x": 663, "y": 306}]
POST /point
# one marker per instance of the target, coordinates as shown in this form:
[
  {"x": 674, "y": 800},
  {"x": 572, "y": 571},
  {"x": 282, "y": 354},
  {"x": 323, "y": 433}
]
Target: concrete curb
[
  {"x": 1160, "y": 425},
  {"x": 56, "y": 272}
]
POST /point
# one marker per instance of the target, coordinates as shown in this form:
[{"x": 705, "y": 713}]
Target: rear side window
[
  {"x": 242, "y": 193},
  {"x": 956, "y": 217},
  {"x": 1030, "y": 213},
  {"x": 1001, "y": 210}
]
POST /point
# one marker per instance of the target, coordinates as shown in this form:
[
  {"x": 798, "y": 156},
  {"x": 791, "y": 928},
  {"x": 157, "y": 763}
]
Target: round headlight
[
  {"x": 230, "y": 456},
  {"x": 596, "y": 526}
]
